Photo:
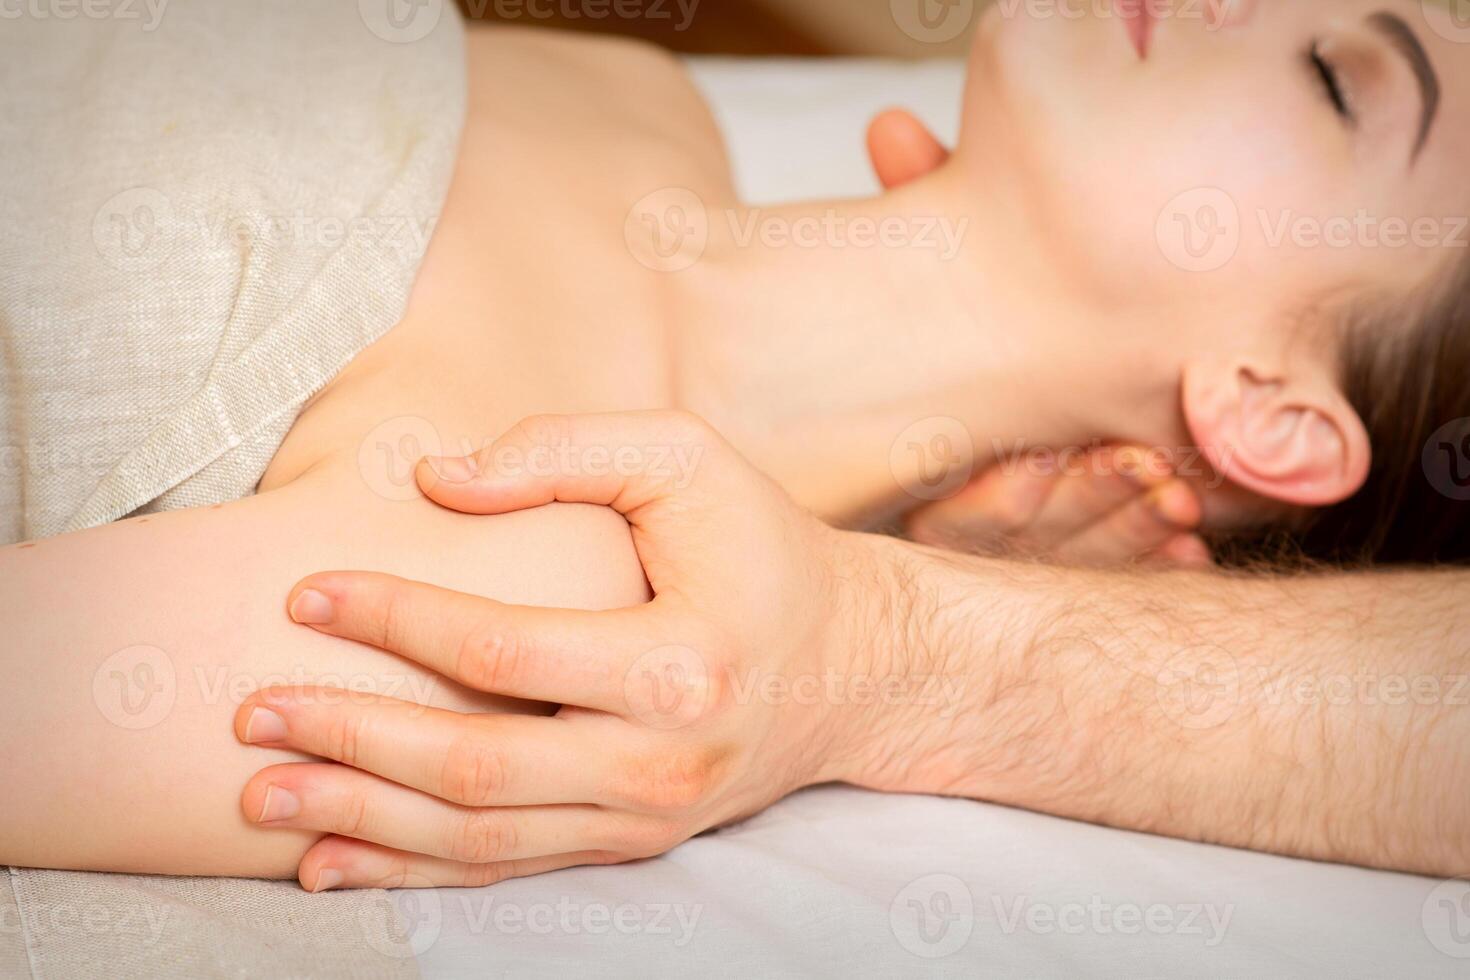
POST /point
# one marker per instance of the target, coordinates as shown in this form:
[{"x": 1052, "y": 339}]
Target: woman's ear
[
  {"x": 1292, "y": 439},
  {"x": 902, "y": 148}
]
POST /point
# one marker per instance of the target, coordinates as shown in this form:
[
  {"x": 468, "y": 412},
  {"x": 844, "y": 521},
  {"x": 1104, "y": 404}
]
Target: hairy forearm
[{"x": 1325, "y": 717}]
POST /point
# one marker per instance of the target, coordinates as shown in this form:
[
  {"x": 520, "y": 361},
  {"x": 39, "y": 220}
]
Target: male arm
[{"x": 1322, "y": 716}]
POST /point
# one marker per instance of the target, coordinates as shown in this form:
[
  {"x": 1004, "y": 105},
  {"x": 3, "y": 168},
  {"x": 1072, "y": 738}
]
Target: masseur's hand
[
  {"x": 1107, "y": 506},
  {"x": 668, "y": 726}
]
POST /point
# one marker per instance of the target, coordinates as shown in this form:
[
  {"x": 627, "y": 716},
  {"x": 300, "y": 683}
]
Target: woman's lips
[{"x": 1138, "y": 21}]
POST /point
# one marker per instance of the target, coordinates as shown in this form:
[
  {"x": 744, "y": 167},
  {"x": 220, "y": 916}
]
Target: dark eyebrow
[{"x": 1404, "y": 40}]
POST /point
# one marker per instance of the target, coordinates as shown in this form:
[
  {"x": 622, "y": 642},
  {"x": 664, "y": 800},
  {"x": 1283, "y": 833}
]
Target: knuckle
[
  {"x": 1008, "y": 509},
  {"x": 719, "y": 694},
  {"x": 391, "y": 619},
  {"x": 342, "y": 739},
  {"x": 482, "y": 837},
  {"x": 673, "y": 783},
  {"x": 542, "y": 430},
  {"x": 491, "y": 658},
  {"x": 355, "y": 817},
  {"x": 1138, "y": 525},
  {"x": 481, "y": 875},
  {"x": 687, "y": 425},
  {"x": 474, "y": 772},
  {"x": 685, "y": 428},
  {"x": 398, "y": 875}
]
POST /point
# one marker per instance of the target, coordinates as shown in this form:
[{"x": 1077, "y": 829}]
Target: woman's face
[{"x": 1258, "y": 162}]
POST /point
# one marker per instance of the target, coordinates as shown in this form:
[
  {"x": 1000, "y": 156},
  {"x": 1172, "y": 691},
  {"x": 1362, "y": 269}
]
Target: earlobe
[
  {"x": 902, "y": 148},
  {"x": 1291, "y": 439}
]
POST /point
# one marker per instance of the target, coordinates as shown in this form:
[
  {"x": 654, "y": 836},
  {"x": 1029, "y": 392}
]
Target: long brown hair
[{"x": 1412, "y": 391}]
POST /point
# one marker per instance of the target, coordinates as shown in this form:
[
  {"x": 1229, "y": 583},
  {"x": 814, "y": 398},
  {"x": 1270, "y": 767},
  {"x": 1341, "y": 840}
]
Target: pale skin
[{"x": 529, "y": 300}]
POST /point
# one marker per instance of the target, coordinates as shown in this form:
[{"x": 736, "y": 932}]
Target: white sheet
[
  {"x": 825, "y": 884},
  {"x": 833, "y": 881}
]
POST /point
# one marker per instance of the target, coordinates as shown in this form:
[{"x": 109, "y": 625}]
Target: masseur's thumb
[{"x": 633, "y": 462}]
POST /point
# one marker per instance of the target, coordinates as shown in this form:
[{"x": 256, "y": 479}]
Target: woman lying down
[{"x": 1314, "y": 374}]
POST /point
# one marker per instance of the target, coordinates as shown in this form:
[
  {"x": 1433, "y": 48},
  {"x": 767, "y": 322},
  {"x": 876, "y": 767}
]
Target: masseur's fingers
[
  {"x": 582, "y": 459},
  {"x": 679, "y": 471},
  {"x": 1184, "y": 551},
  {"x": 1105, "y": 506},
  {"x": 473, "y": 760},
  {"x": 337, "y": 799},
  {"x": 341, "y": 862},
  {"x": 562, "y": 656},
  {"x": 902, "y": 148},
  {"x": 987, "y": 513},
  {"x": 1138, "y": 528},
  {"x": 1086, "y": 492}
]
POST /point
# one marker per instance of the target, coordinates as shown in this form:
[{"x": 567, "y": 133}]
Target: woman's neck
[{"x": 833, "y": 342}]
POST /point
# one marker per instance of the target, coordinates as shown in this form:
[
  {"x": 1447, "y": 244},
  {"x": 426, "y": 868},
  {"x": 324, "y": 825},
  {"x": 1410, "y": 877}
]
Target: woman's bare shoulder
[{"x": 626, "y": 96}]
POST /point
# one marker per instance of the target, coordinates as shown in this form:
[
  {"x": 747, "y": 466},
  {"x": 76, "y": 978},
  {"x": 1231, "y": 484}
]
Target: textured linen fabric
[
  {"x": 62, "y": 924},
  {"x": 208, "y": 208}
]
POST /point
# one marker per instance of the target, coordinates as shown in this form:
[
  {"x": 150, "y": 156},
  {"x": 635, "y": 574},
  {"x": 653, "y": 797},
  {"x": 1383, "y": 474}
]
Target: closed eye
[{"x": 1332, "y": 85}]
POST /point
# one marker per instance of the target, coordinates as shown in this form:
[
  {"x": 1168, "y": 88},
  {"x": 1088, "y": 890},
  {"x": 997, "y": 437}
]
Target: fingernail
[
  {"x": 454, "y": 469},
  {"x": 311, "y": 608},
  {"x": 1175, "y": 504},
  {"x": 264, "y": 725},
  {"x": 327, "y": 878},
  {"x": 279, "y": 804}
]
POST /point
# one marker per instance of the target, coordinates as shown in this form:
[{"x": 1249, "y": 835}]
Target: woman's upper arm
[{"x": 126, "y": 648}]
